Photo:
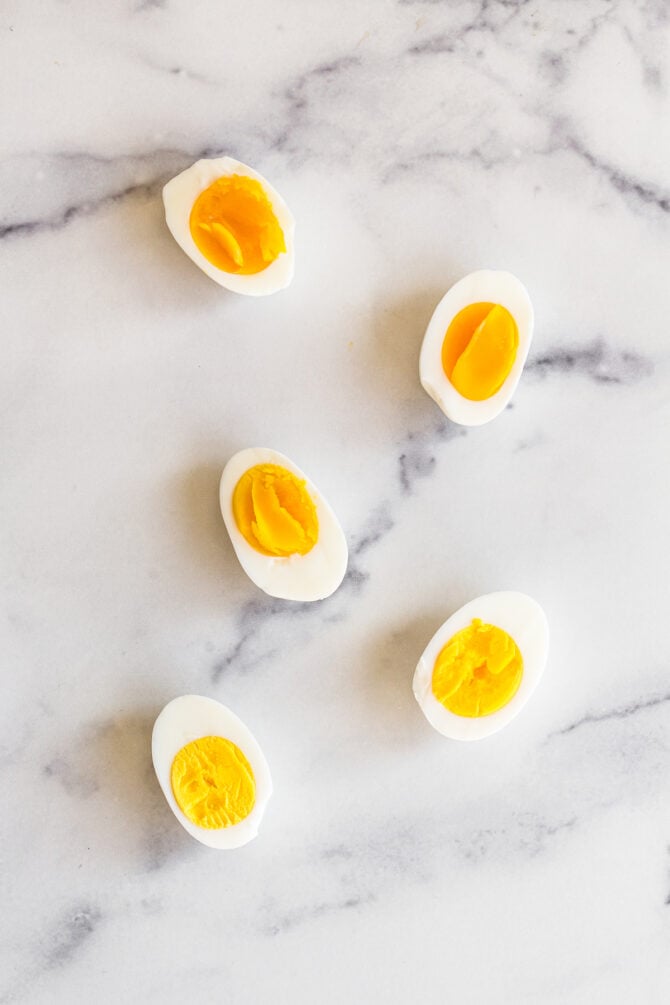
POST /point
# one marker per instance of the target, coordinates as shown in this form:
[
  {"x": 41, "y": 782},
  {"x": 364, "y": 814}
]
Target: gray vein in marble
[
  {"x": 493, "y": 16},
  {"x": 182, "y": 73},
  {"x": 554, "y": 66},
  {"x": 501, "y": 828},
  {"x": 418, "y": 459},
  {"x": 339, "y": 851},
  {"x": 626, "y": 184},
  {"x": 255, "y": 614},
  {"x": 70, "y": 934},
  {"x": 485, "y": 16},
  {"x": 379, "y": 524},
  {"x": 60, "y": 220},
  {"x": 595, "y": 360},
  {"x": 528, "y": 833},
  {"x": 104, "y": 181},
  {"x": 283, "y": 923},
  {"x": 298, "y": 97},
  {"x": 251, "y": 649},
  {"x": 364, "y": 870},
  {"x": 74, "y": 782},
  {"x": 634, "y": 190},
  {"x": 151, "y": 5},
  {"x": 66, "y": 939},
  {"x": 623, "y": 712},
  {"x": 436, "y": 45}
]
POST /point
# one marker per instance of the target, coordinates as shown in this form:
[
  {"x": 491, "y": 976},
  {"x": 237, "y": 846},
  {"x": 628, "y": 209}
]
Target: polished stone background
[{"x": 414, "y": 142}]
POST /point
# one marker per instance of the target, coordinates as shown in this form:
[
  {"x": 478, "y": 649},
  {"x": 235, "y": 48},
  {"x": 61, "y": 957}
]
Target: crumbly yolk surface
[
  {"x": 274, "y": 511},
  {"x": 213, "y": 783},
  {"x": 478, "y": 671},
  {"x": 479, "y": 349},
  {"x": 234, "y": 226}
]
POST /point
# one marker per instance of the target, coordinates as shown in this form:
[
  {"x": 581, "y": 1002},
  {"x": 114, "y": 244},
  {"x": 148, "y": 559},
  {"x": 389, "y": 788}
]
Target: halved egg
[
  {"x": 211, "y": 770},
  {"x": 481, "y": 667},
  {"x": 476, "y": 345},
  {"x": 233, "y": 224},
  {"x": 286, "y": 536}
]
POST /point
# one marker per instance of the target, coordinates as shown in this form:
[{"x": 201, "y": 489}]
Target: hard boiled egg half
[
  {"x": 476, "y": 345},
  {"x": 233, "y": 224},
  {"x": 211, "y": 770},
  {"x": 481, "y": 667},
  {"x": 286, "y": 536}
]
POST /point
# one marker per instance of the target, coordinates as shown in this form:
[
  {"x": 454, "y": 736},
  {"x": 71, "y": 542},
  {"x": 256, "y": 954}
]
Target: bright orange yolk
[
  {"x": 479, "y": 350},
  {"x": 234, "y": 226},
  {"x": 478, "y": 671},
  {"x": 213, "y": 783},
  {"x": 274, "y": 511}
]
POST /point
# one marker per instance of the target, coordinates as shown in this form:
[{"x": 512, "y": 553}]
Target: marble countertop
[{"x": 414, "y": 141}]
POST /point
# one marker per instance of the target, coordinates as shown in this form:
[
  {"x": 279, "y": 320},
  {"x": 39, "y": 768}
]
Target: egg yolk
[
  {"x": 234, "y": 226},
  {"x": 478, "y": 671},
  {"x": 213, "y": 783},
  {"x": 274, "y": 511},
  {"x": 479, "y": 350}
]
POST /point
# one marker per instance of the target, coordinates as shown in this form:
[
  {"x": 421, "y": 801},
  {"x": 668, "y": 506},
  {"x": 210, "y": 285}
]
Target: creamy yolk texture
[
  {"x": 234, "y": 226},
  {"x": 479, "y": 349},
  {"x": 213, "y": 783},
  {"x": 274, "y": 511},
  {"x": 478, "y": 671}
]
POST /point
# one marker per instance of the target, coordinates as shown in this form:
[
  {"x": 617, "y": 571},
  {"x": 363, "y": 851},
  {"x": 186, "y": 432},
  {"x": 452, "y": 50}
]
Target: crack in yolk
[
  {"x": 234, "y": 226},
  {"x": 478, "y": 671},
  {"x": 479, "y": 350},
  {"x": 213, "y": 783},
  {"x": 274, "y": 512}
]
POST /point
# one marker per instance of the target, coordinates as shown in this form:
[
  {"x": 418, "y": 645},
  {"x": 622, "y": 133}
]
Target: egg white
[
  {"x": 189, "y": 718},
  {"x": 313, "y": 576},
  {"x": 525, "y": 621},
  {"x": 179, "y": 195},
  {"x": 484, "y": 286}
]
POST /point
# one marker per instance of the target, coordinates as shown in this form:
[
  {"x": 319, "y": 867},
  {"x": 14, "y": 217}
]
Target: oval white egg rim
[
  {"x": 327, "y": 564},
  {"x": 184, "y": 189},
  {"x": 522, "y": 618},
  {"x": 190, "y": 717},
  {"x": 484, "y": 285}
]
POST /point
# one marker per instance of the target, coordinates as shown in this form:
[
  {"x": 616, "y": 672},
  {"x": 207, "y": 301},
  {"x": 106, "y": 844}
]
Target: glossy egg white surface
[
  {"x": 179, "y": 195},
  {"x": 313, "y": 576},
  {"x": 483, "y": 286},
  {"x": 191, "y": 717},
  {"x": 525, "y": 621}
]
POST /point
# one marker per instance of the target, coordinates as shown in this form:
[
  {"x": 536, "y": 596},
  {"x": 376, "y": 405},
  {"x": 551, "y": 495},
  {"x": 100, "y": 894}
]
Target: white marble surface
[{"x": 414, "y": 141}]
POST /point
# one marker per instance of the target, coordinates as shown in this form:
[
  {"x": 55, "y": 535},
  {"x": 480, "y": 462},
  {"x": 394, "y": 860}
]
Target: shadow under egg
[
  {"x": 120, "y": 749},
  {"x": 388, "y": 663},
  {"x": 208, "y": 552}
]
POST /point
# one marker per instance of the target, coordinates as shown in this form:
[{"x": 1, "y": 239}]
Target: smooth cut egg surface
[
  {"x": 285, "y": 535},
  {"x": 233, "y": 224},
  {"x": 482, "y": 665},
  {"x": 476, "y": 345},
  {"x": 211, "y": 770}
]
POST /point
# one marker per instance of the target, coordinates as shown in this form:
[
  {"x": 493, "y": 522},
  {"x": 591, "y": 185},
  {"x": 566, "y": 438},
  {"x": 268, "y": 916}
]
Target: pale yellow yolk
[
  {"x": 213, "y": 783},
  {"x": 479, "y": 350},
  {"x": 234, "y": 226},
  {"x": 274, "y": 511},
  {"x": 478, "y": 671}
]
